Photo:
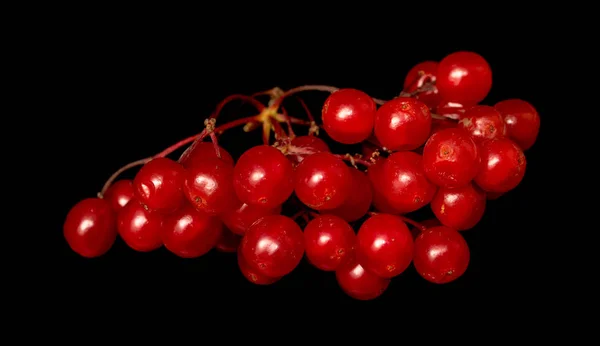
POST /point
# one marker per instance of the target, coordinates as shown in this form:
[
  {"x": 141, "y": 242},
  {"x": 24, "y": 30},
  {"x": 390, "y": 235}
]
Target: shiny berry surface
[
  {"x": 304, "y": 146},
  {"x": 253, "y": 275},
  {"x": 358, "y": 283},
  {"x": 402, "y": 123},
  {"x": 199, "y": 151},
  {"x": 119, "y": 193},
  {"x": 239, "y": 219},
  {"x": 451, "y": 158},
  {"x": 464, "y": 77},
  {"x": 263, "y": 177},
  {"x": 503, "y": 166},
  {"x": 522, "y": 121},
  {"x": 159, "y": 184},
  {"x": 273, "y": 246},
  {"x": 228, "y": 241},
  {"x": 441, "y": 255},
  {"x": 329, "y": 240},
  {"x": 358, "y": 202},
  {"x": 208, "y": 186},
  {"x": 418, "y": 76},
  {"x": 384, "y": 245},
  {"x": 348, "y": 116},
  {"x": 483, "y": 123},
  {"x": 90, "y": 227},
  {"x": 460, "y": 208},
  {"x": 323, "y": 181},
  {"x": 139, "y": 228}
]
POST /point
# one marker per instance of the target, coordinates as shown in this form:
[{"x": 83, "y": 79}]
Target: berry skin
[
  {"x": 483, "y": 123},
  {"x": 522, "y": 121},
  {"x": 384, "y": 245},
  {"x": 358, "y": 283},
  {"x": 459, "y": 208},
  {"x": 273, "y": 246},
  {"x": 228, "y": 241},
  {"x": 503, "y": 166},
  {"x": 190, "y": 233},
  {"x": 328, "y": 240},
  {"x": 427, "y": 223},
  {"x": 440, "y": 124},
  {"x": 252, "y": 274},
  {"x": 358, "y": 202},
  {"x": 323, "y": 181},
  {"x": 239, "y": 219},
  {"x": 399, "y": 183},
  {"x": 208, "y": 186},
  {"x": 403, "y": 123},
  {"x": 451, "y": 158},
  {"x": 464, "y": 77},
  {"x": 159, "y": 185},
  {"x": 441, "y": 255},
  {"x": 304, "y": 146},
  {"x": 90, "y": 227},
  {"x": 139, "y": 228},
  {"x": 119, "y": 194},
  {"x": 263, "y": 177},
  {"x": 420, "y": 74},
  {"x": 348, "y": 116},
  {"x": 199, "y": 151}
]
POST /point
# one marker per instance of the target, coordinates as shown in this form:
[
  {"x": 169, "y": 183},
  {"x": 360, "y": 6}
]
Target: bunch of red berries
[{"x": 432, "y": 145}]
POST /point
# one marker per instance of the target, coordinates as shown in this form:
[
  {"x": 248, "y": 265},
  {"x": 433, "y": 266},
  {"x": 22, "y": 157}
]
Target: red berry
[
  {"x": 238, "y": 220},
  {"x": 328, "y": 240},
  {"x": 139, "y": 228},
  {"x": 522, "y": 121},
  {"x": 264, "y": 177},
  {"x": 483, "y": 123},
  {"x": 323, "y": 181},
  {"x": 422, "y": 73},
  {"x": 368, "y": 148},
  {"x": 415, "y": 231},
  {"x": 358, "y": 283},
  {"x": 451, "y": 110},
  {"x": 440, "y": 124},
  {"x": 384, "y": 245},
  {"x": 399, "y": 183},
  {"x": 402, "y": 124},
  {"x": 464, "y": 77},
  {"x": 190, "y": 233},
  {"x": 208, "y": 185},
  {"x": 503, "y": 166},
  {"x": 119, "y": 193},
  {"x": 199, "y": 151},
  {"x": 441, "y": 255},
  {"x": 90, "y": 227},
  {"x": 304, "y": 146},
  {"x": 273, "y": 246},
  {"x": 358, "y": 202},
  {"x": 451, "y": 158},
  {"x": 460, "y": 208},
  {"x": 228, "y": 241},
  {"x": 159, "y": 184},
  {"x": 252, "y": 274},
  {"x": 348, "y": 116}
]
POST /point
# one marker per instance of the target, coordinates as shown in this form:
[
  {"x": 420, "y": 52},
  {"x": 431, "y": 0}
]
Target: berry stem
[
  {"x": 259, "y": 106},
  {"x": 305, "y": 107},
  {"x": 405, "y": 219},
  {"x": 441, "y": 117},
  {"x": 353, "y": 160},
  {"x": 288, "y": 122},
  {"x": 119, "y": 171}
]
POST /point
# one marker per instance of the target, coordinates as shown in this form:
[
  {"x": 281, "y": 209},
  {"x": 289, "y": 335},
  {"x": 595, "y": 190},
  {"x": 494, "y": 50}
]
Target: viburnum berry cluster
[{"x": 432, "y": 145}]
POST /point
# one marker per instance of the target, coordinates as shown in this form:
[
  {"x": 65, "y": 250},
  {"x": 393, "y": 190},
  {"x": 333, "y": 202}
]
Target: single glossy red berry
[
  {"x": 190, "y": 233},
  {"x": 263, "y": 177},
  {"x": 273, "y": 246},
  {"x": 460, "y": 208},
  {"x": 253, "y": 275},
  {"x": 304, "y": 146},
  {"x": 239, "y": 219},
  {"x": 228, "y": 241},
  {"x": 329, "y": 240},
  {"x": 358, "y": 283},
  {"x": 384, "y": 245},
  {"x": 159, "y": 185},
  {"x": 358, "y": 202},
  {"x": 348, "y": 116},
  {"x": 441, "y": 255},
  {"x": 464, "y": 77},
  {"x": 503, "y": 165},
  {"x": 522, "y": 121},
  {"x": 323, "y": 181},
  {"x": 119, "y": 193},
  {"x": 208, "y": 186},
  {"x": 139, "y": 228},
  {"x": 451, "y": 110},
  {"x": 90, "y": 227},
  {"x": 483, "y": 123},
  {"x": 199, "y": 151},
  {"x": 402, "y": 123},
  {"x": 422, "y": 73},
  {"x": 415, "y": 231},
  {"x": 451, "y": 158}
]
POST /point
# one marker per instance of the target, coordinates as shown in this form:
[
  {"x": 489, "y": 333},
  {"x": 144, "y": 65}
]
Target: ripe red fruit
[
  {"x": 253, "y": 275},
  {"x": 273, "y": 246},
  {"x": 323, "y": 181},
  {"x": 199, "y": 151},
  {"x": 329, "y": 240},
  {"x": 415, "y": 231},
  {"x": 420, "y": 74},
  {"x": 464, "y": 77},
  {"x": 358, "y": 202},
  {"x": 483, "y": 123},
  {"x": 190, "y": 233},
  {"x": 239, "y": 219},
  {"x": 402, "y": 123},
  {"x": 440, "y": 124},
  {"x": 503, "y": 166},
  {"x": 522, "y": 121},
  {"x": 348, "y": 116},
  {"x": 384, "y": 245},
  {"x": 304, "y": 146},
  {"x": 119, "y": 193},
  {"x": 228, "y": 241},
  {"x": 139, "y": 228},
  {"x": 90, "y": 227},
  {"x": 208, "y": 185},
  {"x": 441, "y": 255},
  {"x": 263, "y": 177},
  {"x": 358, "y": 283},
  {"x": 399, "y": 183},
  {"x": 451, "y": 158},
  {"x": 460, "y": 208},
  {"x": 159, "y": 185}
]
